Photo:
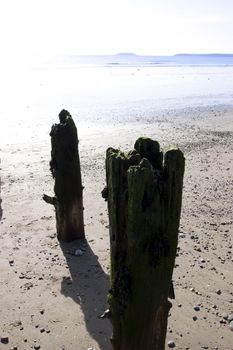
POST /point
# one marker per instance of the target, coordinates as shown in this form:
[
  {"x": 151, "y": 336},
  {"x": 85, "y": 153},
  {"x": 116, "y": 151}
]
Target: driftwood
[
  {"x": 144, "y": 193},
  {"x": 65, "y": 168}
]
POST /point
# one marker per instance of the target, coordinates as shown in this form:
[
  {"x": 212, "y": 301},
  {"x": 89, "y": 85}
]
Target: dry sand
[{"x": 52, "y": 299}]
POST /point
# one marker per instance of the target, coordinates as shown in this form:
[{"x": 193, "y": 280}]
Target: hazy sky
[{"x": 45, "y": 27}]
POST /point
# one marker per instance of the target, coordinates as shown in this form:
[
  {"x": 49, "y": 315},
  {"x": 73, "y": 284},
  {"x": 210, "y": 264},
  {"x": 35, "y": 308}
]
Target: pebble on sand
[
  {"x": 196, "y": 308},
  {"x": 171, "y": 344},
  {"x": 78, "y": 252},
  {"x": 4, "y": 339}
]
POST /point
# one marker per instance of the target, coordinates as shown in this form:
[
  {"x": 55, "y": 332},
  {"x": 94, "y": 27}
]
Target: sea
[{"x": 115, "y": 89}]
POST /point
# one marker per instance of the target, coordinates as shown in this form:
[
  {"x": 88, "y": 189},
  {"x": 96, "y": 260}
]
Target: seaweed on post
[{"x": 144, "y": 194}]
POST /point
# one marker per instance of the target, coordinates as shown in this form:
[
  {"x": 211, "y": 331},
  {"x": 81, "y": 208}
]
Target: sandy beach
[{"x": 51, "y": 299}]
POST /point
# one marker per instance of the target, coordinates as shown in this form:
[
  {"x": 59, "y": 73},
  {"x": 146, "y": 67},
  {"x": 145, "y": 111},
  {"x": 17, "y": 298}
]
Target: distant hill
[
  {"x": 125, "y": 54},
  {"x": 132, "y": 60}
]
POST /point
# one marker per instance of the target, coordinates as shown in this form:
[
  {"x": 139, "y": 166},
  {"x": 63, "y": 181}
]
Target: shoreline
[{"x": 46, "y": 287}]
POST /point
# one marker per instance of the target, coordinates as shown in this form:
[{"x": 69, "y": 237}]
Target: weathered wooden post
[
  {"x": 144, "y": 193},
  {"x": 65, "y": 168}
]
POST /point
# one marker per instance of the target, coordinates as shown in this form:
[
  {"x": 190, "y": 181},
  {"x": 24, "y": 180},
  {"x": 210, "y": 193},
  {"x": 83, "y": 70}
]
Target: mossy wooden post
[
  {"x": 65, "y": 168},
  {"x": 144, "y": 192}
]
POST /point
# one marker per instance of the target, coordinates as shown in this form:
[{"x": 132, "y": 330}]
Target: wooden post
[
  {"x": 144, "y": 193},
  {"x": 65, "y": 168}
]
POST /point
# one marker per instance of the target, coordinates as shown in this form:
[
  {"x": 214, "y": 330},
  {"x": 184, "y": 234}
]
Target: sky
[{"x": 33, "y": 28}]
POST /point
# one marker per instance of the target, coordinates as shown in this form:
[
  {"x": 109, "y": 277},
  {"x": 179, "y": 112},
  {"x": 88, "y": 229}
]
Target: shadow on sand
[{"x": 88, "y": 287}]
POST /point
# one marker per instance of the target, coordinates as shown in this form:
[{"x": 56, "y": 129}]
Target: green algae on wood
[
  {"x": 65, "y": 168},
  {"x": 144, "y": 194}
]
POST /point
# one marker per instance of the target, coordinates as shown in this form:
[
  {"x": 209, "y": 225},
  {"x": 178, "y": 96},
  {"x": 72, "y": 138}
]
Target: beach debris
[
  {"x": 106, "y": 314},
  {"x": 52, "y": 236},
  {"x": 11, "y": 262},
  {"x": 144, "y": 205},
  {"x": 171, "y": 344},
  {"x": 68, "y": 189},
  {"x": 4, "y": 339},
  {"x": 78, "y": 252},
  {"x": 37, "y": 347},
  {"x": 196, "y": 308},
  {"x": 27, "y": 286},
  {"x": 16, "y": 323},
  {"x": 225, "y": 316}
]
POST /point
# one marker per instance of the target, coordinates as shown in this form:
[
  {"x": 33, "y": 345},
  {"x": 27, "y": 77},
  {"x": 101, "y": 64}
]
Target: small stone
[
  {"x": 4, "y": 339},
  {"x": 16, "y": 323},
  {"x": 36, "y": 346},
  {"x": 196, "y": 308},
  {"x": 78, "y": 252},
  {"x": 42, "y": 312},
  {"x": 171, "y": 344},
  {"x": 194, "y": 318},
  {"x": 230, "y": 317},
  {"x": 231, "y": 326},
  {"x": 225, "y": 316},
  {"x": 219, "y": 292},
  {"x": 106, "y": 314}
]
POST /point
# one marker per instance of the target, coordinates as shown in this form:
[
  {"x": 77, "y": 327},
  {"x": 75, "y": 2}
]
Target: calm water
[{"x": 99, "y": 93}]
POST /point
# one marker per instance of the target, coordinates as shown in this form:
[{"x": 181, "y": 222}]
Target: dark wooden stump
[
  {"x": 65, "y": 168},
  {"x": 144, "y": 193}
]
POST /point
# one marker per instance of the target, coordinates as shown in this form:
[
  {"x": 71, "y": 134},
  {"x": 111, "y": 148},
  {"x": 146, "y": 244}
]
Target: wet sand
[{"x": 53, "y": 299}]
